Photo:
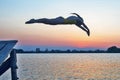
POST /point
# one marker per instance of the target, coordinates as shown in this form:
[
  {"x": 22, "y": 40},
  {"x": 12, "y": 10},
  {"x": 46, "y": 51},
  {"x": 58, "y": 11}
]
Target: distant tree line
[{"x": 112, "y": 49}]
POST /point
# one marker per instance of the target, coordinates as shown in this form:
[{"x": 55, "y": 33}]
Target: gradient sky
[{"x": 101, "y": 16}]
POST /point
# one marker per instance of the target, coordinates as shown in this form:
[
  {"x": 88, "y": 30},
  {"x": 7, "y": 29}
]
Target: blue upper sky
[{"x": 101, "y": 16}]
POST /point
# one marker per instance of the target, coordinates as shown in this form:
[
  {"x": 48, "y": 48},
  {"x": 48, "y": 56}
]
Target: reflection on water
[{"x": 67, "y": 67}]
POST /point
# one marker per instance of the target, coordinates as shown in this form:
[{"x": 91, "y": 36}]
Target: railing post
[{"x": 13, "y": 65}]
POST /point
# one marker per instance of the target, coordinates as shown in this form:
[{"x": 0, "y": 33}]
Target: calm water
[{"x": 67, "y": 67}]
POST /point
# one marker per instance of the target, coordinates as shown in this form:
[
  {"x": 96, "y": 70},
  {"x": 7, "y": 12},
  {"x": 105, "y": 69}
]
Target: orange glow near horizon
[
  {"x": 74, "y": 40},
  {"x": 69, "y": 35}
]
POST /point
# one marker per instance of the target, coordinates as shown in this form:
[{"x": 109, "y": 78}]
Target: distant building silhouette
[
  {"x": 46, "y": 50},
  {"x": 37, "y": 50}
]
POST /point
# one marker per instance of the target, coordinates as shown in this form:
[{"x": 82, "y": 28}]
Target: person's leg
[
  {"x": 30, "y": 21},
  {"x": 54, "y": 21},
  {"x": 42, "y": 20}
]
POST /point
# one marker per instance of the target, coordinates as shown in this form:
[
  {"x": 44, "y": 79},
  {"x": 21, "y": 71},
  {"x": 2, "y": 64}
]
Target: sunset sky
[{"x": 101, "y": 16}]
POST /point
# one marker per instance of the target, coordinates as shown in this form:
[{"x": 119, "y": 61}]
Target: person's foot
[{"x": 30, "y": 21}]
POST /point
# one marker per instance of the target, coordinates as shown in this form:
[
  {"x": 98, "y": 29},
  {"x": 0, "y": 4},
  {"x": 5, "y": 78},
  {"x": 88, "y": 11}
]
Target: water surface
[{"x": 67, "y": 67}]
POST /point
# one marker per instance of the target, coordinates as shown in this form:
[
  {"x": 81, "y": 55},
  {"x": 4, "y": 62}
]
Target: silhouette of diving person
[{"x": 77, "y": 20}]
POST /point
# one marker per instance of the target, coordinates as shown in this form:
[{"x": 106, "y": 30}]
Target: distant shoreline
[{"x": 112, "y": 49}]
